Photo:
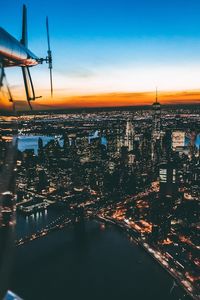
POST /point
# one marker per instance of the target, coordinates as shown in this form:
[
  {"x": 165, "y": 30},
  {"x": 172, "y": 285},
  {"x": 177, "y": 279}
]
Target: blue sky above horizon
[{"x": 112, "y": 46}]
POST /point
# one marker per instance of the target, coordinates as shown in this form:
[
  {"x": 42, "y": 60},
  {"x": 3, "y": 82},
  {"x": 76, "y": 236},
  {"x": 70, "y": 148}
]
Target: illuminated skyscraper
[
  {"x": 129, "y": 136},
  {"x": 178, "y": 139},
  {"x": 157, "y": 134},
  {"x": 156, "y": 115},
  {"x": 168, "y": 179}
]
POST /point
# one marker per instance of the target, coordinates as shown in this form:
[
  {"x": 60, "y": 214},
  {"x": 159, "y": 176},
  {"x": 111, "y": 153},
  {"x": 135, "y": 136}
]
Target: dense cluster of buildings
[
  {"x": 115, "y": 155},
  {"x": 140, "y": 167}
]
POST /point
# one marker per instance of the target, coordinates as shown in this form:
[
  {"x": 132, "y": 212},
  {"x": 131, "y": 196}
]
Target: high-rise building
[
  {"x": 178, "y": 139},
  {"x": 42, "y": 179},
  {"x": 40, "y": 150},
  {"x": 168, "y": 179},
  {"x": 129, "y": 136},
  {"x": 66, "y": 142},
  {"x": 156, "y": 115},
  {"x": 157, "y": 135}
]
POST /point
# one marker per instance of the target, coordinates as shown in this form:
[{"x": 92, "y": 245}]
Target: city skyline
[
  {"x": 113, "y": 54},
  {"x": 100, "y": 150},
  {"x": 121, "y": 167}
]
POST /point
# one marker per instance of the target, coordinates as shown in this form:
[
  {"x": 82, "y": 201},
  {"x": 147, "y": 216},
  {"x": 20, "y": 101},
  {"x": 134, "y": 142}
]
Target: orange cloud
[
  {"x": 124, "y": 99},
  {"x": 112, "y": 100}
]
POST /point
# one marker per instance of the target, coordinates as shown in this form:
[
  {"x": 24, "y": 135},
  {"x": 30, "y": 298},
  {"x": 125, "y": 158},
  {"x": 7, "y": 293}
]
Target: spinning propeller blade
[{"x": 49, "y": 56}]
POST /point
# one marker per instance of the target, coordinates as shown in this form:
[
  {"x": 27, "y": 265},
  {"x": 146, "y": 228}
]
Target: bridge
[{"x": 57, "y": 224}]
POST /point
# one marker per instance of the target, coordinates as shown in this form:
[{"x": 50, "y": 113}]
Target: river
[
  {"x": 87, "y": 261},
  {"x": 31, "y": 141}
]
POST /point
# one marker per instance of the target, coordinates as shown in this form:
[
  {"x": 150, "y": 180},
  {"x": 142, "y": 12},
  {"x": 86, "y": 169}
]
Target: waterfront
[
  {"x": 31, "y": 141},
  {"x": 88, "y": 261},
  {"x": 116, "y": 178}
]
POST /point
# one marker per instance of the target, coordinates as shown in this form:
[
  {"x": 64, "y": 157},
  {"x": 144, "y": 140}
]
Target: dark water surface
[
  {"x": 89, "y": 261},
  {"x": 31, "y": 141}
]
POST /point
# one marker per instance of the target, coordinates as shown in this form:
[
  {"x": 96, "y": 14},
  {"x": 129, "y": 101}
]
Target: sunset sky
[{"x": 112, "y": 52}]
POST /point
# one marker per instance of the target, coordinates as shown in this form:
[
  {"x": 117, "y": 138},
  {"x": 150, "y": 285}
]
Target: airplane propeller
[
  {"x": 29, "y": 87},
  {"x": 49, "y": 56},
  {"x": 31, "y": 60}
]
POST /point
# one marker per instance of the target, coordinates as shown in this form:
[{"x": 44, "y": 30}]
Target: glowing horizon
[
  {"x": 116, "y": 52},
  {"x": 113, "y": 100}
]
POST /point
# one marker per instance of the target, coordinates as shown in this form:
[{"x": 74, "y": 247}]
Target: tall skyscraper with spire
[
  {"x": 157, "y": 135},
  {"x": 156, "y": 114}
]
